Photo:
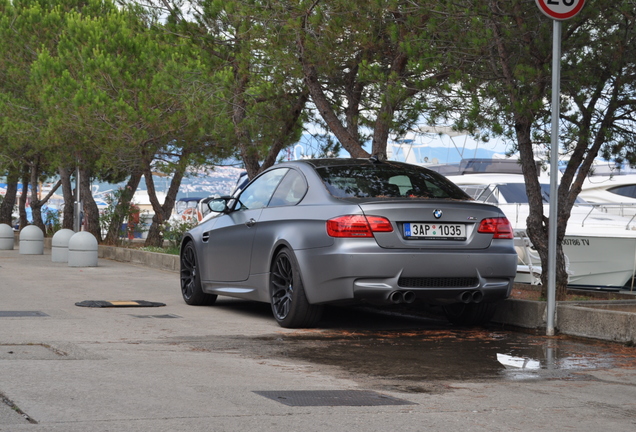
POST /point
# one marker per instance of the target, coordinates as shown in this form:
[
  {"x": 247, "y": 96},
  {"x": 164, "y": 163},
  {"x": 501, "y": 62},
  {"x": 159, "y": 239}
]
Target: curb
[
  {"x": 149, "y": 259},
  {"x": 613, "y": 320},
  {"x": 521, "y": 313}
]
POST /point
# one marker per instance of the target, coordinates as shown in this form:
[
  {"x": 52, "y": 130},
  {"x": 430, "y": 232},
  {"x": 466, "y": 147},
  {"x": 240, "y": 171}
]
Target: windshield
[
  {"x": 386, "y": 180},
  {"x": 516, "y": 193}
]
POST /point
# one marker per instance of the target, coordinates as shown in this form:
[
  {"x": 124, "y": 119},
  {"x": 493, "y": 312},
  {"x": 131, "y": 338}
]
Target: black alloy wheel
[
  {"x": 287, "y": 294},
  {"x": 190, "y": 279}
]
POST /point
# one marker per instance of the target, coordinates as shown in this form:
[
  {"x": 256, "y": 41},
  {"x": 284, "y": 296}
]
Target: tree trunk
[
  {"x": 537, "y": 223},
  {"x": 36, "y": 203},
  {"x": 68, "y": 215},
  {"x": 287, "y": 131},
  {"x": 6, "y": 208},
  {"x": 163, "y": 212},
  {"x": 122, "y": 209},
  {"x": 350, "y": 142},
  {"x": 390, "y": 101},
  {"x": 22, "y": 203},
  {"x": 91, "y": 212}
]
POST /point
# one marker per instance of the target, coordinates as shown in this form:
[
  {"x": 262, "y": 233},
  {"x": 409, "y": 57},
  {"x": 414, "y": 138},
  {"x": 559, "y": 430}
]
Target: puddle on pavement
[
  {"x": 407, "y": 352},
  {"x": 453, "y": 354}
]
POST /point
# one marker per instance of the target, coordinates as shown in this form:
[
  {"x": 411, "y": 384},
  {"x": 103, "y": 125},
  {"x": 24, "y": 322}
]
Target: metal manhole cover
[
  {"x": 14, "y": 314},
  {"x": 332, "y": 398}
]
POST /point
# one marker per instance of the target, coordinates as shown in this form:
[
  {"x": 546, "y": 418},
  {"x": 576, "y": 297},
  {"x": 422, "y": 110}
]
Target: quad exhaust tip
[
  {"x": 397, "y": 297},
  {"x": 471, "y": 297}
]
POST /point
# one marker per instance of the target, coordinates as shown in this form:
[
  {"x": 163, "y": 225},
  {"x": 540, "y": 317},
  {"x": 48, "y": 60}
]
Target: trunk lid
[{"x": 432, "y": 224}]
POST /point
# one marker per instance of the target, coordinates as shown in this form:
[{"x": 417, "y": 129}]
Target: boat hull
[{"x": 600, "y": 261}]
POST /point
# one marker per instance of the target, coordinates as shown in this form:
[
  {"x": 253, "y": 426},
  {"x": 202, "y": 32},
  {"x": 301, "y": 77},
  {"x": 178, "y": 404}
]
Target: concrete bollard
[
  {"x": 7, "y": 238},
  {"x": 31, "y": 241},
  {"x": 59, "y": 245},
  {"x": 82, "y": 250}
]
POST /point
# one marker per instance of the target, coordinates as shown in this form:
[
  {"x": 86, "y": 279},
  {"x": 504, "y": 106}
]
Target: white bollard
[
  {"x": 82, "y": 250},
  {"x": 7, "y": 238},
  {"x": 31, "y": 241},
  {"x": 59, "y": 245}
]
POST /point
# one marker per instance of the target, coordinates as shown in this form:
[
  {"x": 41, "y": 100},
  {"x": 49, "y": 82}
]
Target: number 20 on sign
[{"x": 560, "y": 9}]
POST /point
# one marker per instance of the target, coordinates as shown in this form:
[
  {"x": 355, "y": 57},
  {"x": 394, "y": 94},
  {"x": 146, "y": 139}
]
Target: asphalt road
[{"x": 230, "y": 367}]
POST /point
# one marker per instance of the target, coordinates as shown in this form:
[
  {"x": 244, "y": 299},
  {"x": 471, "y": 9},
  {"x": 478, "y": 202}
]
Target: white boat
[
  {"x": 611, "y": 193},
  {"x": 600, "y": 247},
  {"x": 190, "y": 210}
]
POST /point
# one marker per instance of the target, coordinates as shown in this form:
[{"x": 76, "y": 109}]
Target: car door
[{"x": 228, "y": 248}]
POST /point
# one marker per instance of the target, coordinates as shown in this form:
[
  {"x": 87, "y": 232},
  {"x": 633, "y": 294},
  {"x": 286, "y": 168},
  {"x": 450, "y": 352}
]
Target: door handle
[{"x": 250, "y": 223}]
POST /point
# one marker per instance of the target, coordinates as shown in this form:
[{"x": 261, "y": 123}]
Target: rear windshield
[{"x": 387, "y": 181}]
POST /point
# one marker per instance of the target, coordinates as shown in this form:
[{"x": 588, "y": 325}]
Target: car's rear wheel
[
  {"x": 471, "y": 314},
  {"x": 191, "y": 280},
  {"x": 287, "y": 294}
]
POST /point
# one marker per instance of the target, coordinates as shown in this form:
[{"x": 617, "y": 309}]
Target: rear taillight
[
  {"x": 357, "y": 226},
  {"x": 500, "y": 228}
]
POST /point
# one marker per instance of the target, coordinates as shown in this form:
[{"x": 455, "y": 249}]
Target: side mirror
[{"x": 218, "y": 205}]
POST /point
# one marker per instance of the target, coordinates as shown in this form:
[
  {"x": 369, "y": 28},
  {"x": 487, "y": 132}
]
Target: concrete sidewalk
[{"x": 77, "y": 369}]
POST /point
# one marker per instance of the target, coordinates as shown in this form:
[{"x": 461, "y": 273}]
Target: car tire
[
  {"x": 191, "y": 280},
  {"x": 471, "y": 314},
  {"x": 290, "y": 306}
]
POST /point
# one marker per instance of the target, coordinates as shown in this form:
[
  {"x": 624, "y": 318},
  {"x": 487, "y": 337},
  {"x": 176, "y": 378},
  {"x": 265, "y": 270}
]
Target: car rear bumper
[{"x": 373, "y": 274}]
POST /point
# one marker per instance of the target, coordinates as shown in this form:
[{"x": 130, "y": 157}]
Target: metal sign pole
[
  {"x": 554, "y": 175},
  {"x": 557, "y": 10},
  {"x": 78, "y": 208}
]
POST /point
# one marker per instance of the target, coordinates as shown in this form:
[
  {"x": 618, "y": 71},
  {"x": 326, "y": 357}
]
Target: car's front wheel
[
  {"x": 191, "y": 280},
  {"x": 287, "y": 294},
  {"x": 471, "y": 314}
]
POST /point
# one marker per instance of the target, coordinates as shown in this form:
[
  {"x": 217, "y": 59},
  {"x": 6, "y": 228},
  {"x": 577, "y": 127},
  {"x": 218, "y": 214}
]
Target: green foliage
[
  {"x": 167, "y": 250},
  {"x": 173, "y": 231},
  {"x": 52, "y": 223},
  {"x": 112, "y": 213}
]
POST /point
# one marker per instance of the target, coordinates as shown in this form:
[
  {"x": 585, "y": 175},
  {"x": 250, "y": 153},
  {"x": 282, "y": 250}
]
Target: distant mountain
[
  {"x": 220, "y": 180},
  {"x": 202, "y": 183}
]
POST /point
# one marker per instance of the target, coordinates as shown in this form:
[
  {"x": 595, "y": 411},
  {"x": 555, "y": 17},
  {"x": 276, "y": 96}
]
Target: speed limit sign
[{"x": 560, "y": 9}]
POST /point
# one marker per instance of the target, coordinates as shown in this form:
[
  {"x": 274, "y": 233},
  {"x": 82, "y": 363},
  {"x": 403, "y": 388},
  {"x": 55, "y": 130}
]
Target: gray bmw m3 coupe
[{"x": 313, "y": 232}]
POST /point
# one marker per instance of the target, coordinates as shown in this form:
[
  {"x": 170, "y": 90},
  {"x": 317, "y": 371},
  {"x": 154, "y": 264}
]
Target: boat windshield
[
  {"x": 628, "y": 191},
  {"x": 516, "y": 193}
]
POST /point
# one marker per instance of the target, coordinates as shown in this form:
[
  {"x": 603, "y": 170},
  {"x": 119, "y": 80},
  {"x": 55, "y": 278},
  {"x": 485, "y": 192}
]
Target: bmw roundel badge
[{"x": 437, "y": 213}]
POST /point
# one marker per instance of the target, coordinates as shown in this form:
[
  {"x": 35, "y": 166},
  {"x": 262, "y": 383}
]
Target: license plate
[{"x": 435, "y": 231}]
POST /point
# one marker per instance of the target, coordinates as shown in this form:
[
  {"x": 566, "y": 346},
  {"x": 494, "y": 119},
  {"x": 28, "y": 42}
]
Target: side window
[
  {"x": 628, "y": 191},
  {"x": 258, "y": 193},
  {"x": 290, "y": 191},
  {"x": 403, "y": 182}
]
